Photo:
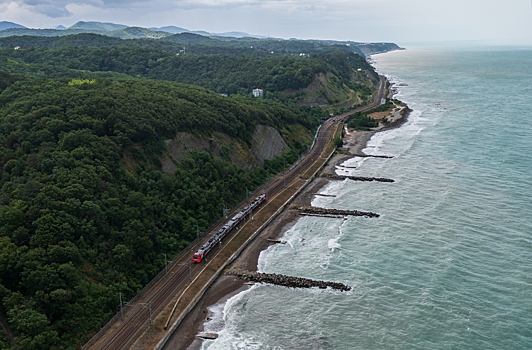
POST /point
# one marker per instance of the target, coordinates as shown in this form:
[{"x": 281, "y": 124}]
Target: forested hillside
[
  {"x": 78, "y": 225},
  {"x": 202, "y": 40},
  {"x": 345, "y": 73},
  {"x": 221, "y": 73},
  {"x": 86, "y": 211}
]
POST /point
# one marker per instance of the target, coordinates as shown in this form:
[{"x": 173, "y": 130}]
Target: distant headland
[{"x": 121, "y": 31}]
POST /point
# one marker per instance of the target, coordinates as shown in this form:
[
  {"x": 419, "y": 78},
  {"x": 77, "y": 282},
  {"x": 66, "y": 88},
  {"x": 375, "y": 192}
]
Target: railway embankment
[
  {"x": 286, "y": 281},
  {"x": 189, "y": 324}
]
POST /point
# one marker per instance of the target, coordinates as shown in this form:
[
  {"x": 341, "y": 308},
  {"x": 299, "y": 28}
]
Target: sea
[{"x": 448, "y": 264}]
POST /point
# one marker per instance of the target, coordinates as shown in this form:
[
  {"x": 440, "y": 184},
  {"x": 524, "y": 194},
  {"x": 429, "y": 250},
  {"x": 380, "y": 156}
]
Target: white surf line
[{"x": 191, "y": 305}]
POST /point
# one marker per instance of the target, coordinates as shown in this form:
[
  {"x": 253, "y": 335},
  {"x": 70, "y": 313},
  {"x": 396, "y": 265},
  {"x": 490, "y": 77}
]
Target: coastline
[{"x": 185, "y": 337}]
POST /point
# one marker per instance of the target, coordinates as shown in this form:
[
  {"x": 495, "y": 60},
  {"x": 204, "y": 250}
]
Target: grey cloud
[
  {"x": 58, "y": 8},
  {"x": 51, "y": 10},
  {"x": 123, "y": 2}
]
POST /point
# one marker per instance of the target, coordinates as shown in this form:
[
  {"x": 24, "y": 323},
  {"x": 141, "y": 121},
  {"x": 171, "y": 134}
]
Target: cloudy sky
[{"x": 401, "y": 21}]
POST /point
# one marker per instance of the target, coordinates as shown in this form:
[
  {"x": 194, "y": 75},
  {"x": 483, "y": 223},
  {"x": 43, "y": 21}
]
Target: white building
[{"x": 258, "y": 93}]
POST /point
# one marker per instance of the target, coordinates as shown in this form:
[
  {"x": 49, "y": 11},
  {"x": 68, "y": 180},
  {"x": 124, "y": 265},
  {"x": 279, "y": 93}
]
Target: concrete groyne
[
  {"x": 332, "y": 212},
  {"x": 286, "y": 281},
  {"x": 356, "y": 178}
]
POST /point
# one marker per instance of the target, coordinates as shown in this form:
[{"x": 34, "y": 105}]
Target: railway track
[
  {"x": 139, "y": 315},
  {"x": 138, "y": 318}
]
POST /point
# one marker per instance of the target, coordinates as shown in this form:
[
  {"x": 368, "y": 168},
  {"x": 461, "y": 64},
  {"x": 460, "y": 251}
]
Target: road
[{"x": 152, "y": 307}]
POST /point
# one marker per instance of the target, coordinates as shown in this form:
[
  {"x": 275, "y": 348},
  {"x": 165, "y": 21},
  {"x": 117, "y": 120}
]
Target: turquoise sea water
[{"x": 448, "y": 265}]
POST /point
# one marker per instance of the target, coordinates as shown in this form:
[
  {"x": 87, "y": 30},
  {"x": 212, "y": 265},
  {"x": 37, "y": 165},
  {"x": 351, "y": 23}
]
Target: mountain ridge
[
  {"x": 171, "y": 32},
  {"x": 103, "y": 26},
  {"x": 7, "y": 25}
]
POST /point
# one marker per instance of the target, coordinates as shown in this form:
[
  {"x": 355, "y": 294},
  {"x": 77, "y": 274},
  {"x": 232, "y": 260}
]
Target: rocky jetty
[
  {"x": 372, "y": 156},
  {"x": 323, "y": 195},
  {"x": 356, "y": 178},
  {"x": 286, "y": 281},
  {"x": 332, "y": 212}
]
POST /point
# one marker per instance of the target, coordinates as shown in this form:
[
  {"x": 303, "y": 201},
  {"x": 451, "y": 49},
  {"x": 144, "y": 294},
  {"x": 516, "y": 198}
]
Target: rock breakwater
[
  {"x": 372, "y": 156},
  {"x": 323, "y": 195},
  {"x": 309, "y": 210},
  {"x": 286, "y": 281},
  {"x": 356, "y": 178}
]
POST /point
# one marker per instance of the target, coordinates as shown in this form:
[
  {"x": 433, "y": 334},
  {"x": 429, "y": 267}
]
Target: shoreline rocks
[
  {"x": 332, "y": 212},
  {"x": 286, "y": 281},
  {"x": 356, "y": 178},
  {"x": 371, "y": 156}
]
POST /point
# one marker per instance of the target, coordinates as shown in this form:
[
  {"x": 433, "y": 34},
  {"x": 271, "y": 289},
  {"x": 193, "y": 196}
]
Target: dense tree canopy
[
  {"x": 85, "y": 210},
  {"x": 78, "y": 224},
  {"x": 223, "y": 73},
  {"x": 194, "y": 43}
]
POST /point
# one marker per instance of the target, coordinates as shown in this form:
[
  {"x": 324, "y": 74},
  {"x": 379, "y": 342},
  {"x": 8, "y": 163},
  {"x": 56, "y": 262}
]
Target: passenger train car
[{"x": 226, "y": 229}]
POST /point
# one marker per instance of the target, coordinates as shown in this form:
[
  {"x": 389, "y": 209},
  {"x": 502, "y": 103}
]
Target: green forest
[
  {"x": 76, "y": 226},
  {"x": 361, "y": 121},
  {"x": 195, "y": 43},
  {"x": 85, "y": 210},
  {"x": 220, "y": 72}
]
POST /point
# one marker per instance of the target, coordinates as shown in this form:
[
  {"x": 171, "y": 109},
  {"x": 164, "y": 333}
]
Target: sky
[{"x": 400, "y": 21}]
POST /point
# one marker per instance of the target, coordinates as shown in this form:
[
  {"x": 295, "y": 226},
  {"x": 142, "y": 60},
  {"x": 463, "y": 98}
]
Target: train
[{"x": 227, "y": 228}]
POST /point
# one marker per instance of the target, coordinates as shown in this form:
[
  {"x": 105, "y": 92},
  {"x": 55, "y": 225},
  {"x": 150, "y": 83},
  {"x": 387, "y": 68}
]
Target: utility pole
[
  {"x": 121, "y": 308},
  {"x": 284, "y": 172},
  {"x": 269, "y": 188},
  {"x": 225, "y": 211},
  {"x": 148, "y": 305},
  {"x": 165, "y": 265},
  {"x": 197, "y": 232}
]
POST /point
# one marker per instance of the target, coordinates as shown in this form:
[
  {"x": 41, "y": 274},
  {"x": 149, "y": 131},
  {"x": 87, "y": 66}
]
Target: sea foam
[{"x": 447, "y": 265}]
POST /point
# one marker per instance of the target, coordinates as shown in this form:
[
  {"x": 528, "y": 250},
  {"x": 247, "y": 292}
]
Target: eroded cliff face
[
  {"x": 326, "y": 91},
  {"x": 267, "y": 143}
]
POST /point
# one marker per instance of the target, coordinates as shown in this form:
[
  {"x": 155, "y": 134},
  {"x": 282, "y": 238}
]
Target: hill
[
  {"x": 204, "y": 60},
  {"x": 21, "y": 32},
  {"x": 85, "y": 208},
  {"x": 320, "y": 79},
  {"x": 7, "y": 25},
  {"x": 137, "y": 32},
  {"x": 235, "y": 34},
  {"x": 170, "y": 29},
  {"x": 182, "y": 36},
  {"x": 97, "y": 26},
  {"x": 109, "y": 161}
]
